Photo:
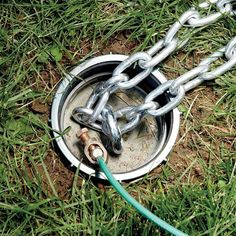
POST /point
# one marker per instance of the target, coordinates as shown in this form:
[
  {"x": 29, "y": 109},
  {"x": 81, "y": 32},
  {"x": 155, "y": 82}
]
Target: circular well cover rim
[{"x": 54, "y": 120}]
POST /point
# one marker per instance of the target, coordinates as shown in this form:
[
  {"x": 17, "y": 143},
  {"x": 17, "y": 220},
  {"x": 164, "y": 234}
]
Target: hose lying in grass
[{"x": 141, "y": 209}]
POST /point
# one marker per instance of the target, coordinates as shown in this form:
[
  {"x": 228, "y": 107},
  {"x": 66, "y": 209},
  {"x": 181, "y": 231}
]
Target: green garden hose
[{"x": 141, "y": 209}]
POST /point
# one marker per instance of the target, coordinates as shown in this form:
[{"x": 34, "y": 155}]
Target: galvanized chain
[{"x": 99, "y": 116}]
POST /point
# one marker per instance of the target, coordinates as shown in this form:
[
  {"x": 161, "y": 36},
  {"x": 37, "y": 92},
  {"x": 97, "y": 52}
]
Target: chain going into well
[{"x": 98, "y": 115}]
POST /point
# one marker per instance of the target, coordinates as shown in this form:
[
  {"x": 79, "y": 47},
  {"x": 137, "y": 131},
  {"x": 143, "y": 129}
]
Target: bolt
[
  {"x": 83, "y": 135},
  {"x": 85, "y": 138}
]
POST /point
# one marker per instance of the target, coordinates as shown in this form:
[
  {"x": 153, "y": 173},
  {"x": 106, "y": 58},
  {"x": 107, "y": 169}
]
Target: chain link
[
  {"x": 99, "y": 116},
  {"x": 111, "y": 129}
]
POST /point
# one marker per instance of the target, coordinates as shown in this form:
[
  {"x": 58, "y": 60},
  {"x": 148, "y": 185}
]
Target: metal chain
[{"x": 99, "y": 116}]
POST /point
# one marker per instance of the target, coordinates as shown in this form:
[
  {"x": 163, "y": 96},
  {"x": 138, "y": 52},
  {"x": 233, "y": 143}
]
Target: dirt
[
  {"x": 200, "y": 137},
  {"x": 39, "y": 106},
  {"x": 195, "y": 131},
  {"x": 118, "y": 45},
  {"x": 61, "y": 176},
  {"x": 47, "y": 79}
]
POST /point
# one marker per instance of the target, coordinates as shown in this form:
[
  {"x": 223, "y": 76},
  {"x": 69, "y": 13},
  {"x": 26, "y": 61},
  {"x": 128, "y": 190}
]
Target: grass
[{"x": 40, "y": 41}]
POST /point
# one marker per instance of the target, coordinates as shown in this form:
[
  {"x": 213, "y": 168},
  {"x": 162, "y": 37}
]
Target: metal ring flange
[{"x": 57, "y": 111}]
